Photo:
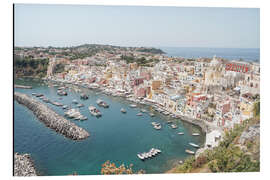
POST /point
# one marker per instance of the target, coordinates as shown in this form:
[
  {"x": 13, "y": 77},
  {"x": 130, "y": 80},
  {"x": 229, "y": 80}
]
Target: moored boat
[
  {"x": 139, "y": 114},
  {"x": 194, "y": 145},
  {"x": 94, "y": 111},
  {"x": 180, "y": 133},
  {"x": 102, "y": 103},
  {"x": 195, "y": 134},
  {"x": 123, "y": 110},
  {"x": 133, "y": 105},
  {"x": 174, "y": 126},
  {"x": 189, "y": 151}
]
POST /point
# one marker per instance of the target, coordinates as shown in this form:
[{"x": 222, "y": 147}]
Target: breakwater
[
  {"x": 24, "y": 165},
  {"x": 23, "y": 87},
  {"x": 51, "y": 119}
]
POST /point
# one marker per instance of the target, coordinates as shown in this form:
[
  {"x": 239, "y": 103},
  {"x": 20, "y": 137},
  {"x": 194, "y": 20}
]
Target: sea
[
  {"x": 246, "y": 54},
  {"x": 115, "y": 136}
]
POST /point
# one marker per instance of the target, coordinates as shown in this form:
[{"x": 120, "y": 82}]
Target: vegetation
[
  {"x": 229, "y": 156},
  {"x": 111, "y": 168},
  {"x": 140, "y": 61},
  {"x": 151, "y": 50},
  {"x": 30, "y": 67}
]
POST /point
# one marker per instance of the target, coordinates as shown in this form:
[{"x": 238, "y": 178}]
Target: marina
[{"x": 131, "y": 130}]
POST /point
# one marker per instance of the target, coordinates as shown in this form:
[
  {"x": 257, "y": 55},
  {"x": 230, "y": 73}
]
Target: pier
[{"x": 51, "y": 119}]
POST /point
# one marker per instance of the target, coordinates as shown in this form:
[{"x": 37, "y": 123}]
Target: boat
[
  {"x": 65, "y": 107},
  {"x": 62, "y": 93},
  {"x": 174, "y": 126},
  {"x": 189, "y": 151},
  {"x": 143, "y": 110},
  {"x": 195, "y": 134},
  {"x": 74, "y": 101},
  {"x": 157, "y": 127},
  {"x": 158, "y": 150},
  {"x": 169, "y": 122},
  {"x": 56, "y": 103},
  {"x": 39, "y": 95},
  {"x": 83, "y": 96},
  {"x": 139, "y": 114},
  {"x": 151, "y": 114},
  {"x": 102, "y": 103},
  {"x": 123, "y": 110},
  {"x": 140, "y": 156},
  {"x": 46, "y": 100},
  {"x": 155, "y": 124},
  {"x": 94, "y": 111},
  {"x": 83, "y": 118},
  {"x": 133, "y": 105},
  {"x": 34, "y": 94},
  {"x": 80, "y": 105},
  {"x": 180, "y": 133},
  {"x": 194, "y": 145}
]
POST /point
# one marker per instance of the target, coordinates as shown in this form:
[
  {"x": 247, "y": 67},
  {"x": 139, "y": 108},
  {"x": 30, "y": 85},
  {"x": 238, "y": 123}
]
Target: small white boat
[
  {"x": 157, "y": 127},
  {"x": 180, "y": 133},
  {"x": 194, "y": 145},
  {"x": 133, "y": 105},
  {"x": 74, "y": 101},
  {"x": 174, "y": 126},
  {"x": 123, "y": 110},
  {"x": 143, "y": 110},
  {"x": 139, "y": 114},
  {"x": 195, "y": 134},
  {"x": 151, "y": 114},
  {"x": 140, "y": 156},
  {"x": 189, "y": 151},
  {"x": 94, "y": 111},
  {"x": 80, "y": 105}
]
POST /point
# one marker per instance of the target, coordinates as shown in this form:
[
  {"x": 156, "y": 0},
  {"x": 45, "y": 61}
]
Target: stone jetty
[
  {"x": 51, "y": 119},
  {"x": 23, "y": 165},
  {"x": 22, "y": 87}
]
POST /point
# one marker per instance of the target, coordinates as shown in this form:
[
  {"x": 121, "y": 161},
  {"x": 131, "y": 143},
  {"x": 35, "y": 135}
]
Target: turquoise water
[{"x": 115, "y": 136}]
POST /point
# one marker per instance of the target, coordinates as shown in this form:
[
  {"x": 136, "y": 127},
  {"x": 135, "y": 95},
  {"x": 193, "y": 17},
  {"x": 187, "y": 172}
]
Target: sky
[{"x": 71, "y": 25}]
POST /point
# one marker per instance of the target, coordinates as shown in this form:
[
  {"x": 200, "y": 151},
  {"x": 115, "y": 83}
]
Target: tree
[{"x": 111, "y": 168}]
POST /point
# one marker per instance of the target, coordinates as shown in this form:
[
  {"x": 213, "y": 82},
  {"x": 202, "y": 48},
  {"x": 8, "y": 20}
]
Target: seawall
[
  {"x": 205, "y": 128},
  {"x": 51, "y": 119},
  {"x": 24, "y": 165}
]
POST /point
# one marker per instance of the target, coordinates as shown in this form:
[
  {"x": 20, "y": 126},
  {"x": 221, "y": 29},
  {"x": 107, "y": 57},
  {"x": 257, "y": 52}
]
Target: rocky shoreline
[
  {"x": 51, "y": 119},
  {"x": 23, "y": 165}
]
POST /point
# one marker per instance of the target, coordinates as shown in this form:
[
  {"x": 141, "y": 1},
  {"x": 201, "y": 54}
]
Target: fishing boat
[
  {"x": 195, "y": 134},
  {"x": 174, "y": 126},
  {"x": 180, "y": 133},
  {"x": 94, "y": 111},
  {"x": 194, "y": 145},
  {"x": 133, "y": 105},
  {"x": 189, "y": 151},
  {"x": 123, "y": 110},
  {"x": 102, "y": 103}
]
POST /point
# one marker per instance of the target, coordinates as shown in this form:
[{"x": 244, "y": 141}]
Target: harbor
[{"x": 130, "y": 134}]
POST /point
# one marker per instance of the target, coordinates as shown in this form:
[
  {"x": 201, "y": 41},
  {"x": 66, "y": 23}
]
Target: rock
[{"x": 23, "y": 165}]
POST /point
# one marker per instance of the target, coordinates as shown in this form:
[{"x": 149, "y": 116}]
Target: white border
[{"x": 6, "y": 82}]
